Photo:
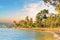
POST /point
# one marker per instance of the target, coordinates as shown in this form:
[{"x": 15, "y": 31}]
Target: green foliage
[
  {"x": 23, "y": 23},
  {"x": 52, "y": 2},
  {"x": 15, "y": 24},
  {"x": 27, "y": 19},
  {"x": 58, "y": 8},
  {"x": 42, "y": 21},
  {"x": 30, "y": 22},
  {"x": 40, "y": 17}
]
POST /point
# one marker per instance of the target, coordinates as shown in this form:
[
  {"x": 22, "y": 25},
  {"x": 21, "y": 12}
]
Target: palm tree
[
  {"x": 30, "y": 22},
  {"x": 27, "y": 21},
  {"x": 58, "y": 8},
  {"x": 41, "y": 16},
  {"x": 15, "y": 24},
  {"x": 52, "y": 2},
  {"x": 23, "y": 23}
]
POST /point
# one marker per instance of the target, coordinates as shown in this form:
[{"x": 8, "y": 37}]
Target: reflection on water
[{"x": 12, "y": 34}]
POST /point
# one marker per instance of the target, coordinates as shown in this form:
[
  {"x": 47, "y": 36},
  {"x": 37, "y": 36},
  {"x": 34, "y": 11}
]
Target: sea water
[{"x": 14, "y": 34}]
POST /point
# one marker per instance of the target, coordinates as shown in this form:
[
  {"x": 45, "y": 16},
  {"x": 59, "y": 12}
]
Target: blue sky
[
  {"x": 17, "y": 9},
  {"x": 7, "y": 5}
]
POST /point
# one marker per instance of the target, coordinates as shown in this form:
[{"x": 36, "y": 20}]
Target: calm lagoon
[{"x": 13, "y": 34}]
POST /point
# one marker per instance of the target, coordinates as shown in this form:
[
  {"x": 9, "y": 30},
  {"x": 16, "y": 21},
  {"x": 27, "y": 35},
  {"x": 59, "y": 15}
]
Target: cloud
[
  {"x": 29, "y": 10},
  {"x": 32, "y": 9}
]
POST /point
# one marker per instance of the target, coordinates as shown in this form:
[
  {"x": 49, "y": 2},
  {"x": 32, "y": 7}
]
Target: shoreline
[{"x": 39, "y": 29}]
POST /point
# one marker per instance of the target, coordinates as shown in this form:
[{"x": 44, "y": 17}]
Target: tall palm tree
[
  {"x": 30, "y": 22},
  {"x": 15, "y": 24},
  {"x": 41, "y": 16},
  {"x": 58, "y": 8},
  {"x": 27, "y": 20}
]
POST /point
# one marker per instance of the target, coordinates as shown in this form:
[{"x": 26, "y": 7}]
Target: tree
[
  {"x": 52, "y": 2},
  {"x": 57, "y": 8},
  {"x": 15, "y": 24},
  {"x": 23, "y": 23},
  {"x": 52, "y": 21},
  {"x": 56, "y": 4},
  {"x": 30, "y": 22},
  {"x": 58, "y": 15},
  {"x": 40, "y": 17},
  {"x": 58, "y": 20},
  {"x": 27, "y": 21}
]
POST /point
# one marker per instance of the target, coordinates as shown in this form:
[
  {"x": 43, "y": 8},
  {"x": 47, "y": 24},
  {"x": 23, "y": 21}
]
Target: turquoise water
[{"x": 13, "y": 34}]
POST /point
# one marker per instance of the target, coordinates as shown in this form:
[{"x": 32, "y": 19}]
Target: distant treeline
[{"x": 43, "y": 19}]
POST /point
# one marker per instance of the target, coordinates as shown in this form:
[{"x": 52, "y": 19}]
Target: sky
[{"x": 11, "y": 10}]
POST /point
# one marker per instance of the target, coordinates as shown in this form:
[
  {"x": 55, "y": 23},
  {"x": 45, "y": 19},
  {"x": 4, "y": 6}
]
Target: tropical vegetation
[{"x": 43, "y": 19}]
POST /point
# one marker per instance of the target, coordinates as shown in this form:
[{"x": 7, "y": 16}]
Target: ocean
[
  {"x": 14, "y": 34},
  {"x": 6, "y": 25}
]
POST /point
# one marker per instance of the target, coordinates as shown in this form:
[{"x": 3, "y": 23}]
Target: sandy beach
[{"x": 40, "y": 29}]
